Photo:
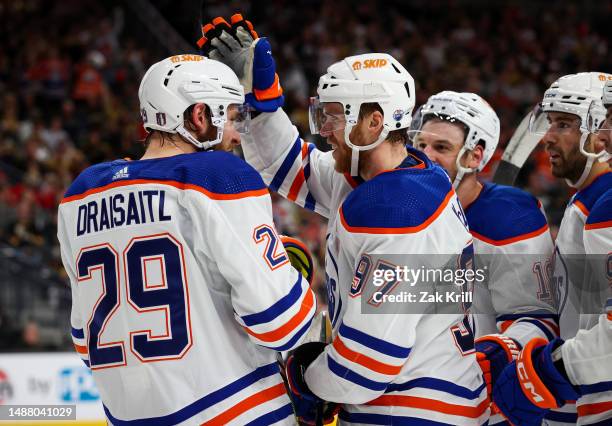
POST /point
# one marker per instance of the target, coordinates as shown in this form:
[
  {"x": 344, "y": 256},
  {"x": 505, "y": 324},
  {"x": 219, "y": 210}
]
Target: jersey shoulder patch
[
  {"x": 504, "y": 214},
  {"x": 398, "y": 201},
  {"x": 600, "y": 215},
  {"x": 586, "y": 198},
  {"x": 217, "y": 174}
]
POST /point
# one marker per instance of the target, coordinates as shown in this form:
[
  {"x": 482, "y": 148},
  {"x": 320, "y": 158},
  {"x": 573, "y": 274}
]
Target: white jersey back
[
  {"x": 182, "y": 291},
  {"x": 512, "y": 241},
  {"x": 383, "y": 368}
]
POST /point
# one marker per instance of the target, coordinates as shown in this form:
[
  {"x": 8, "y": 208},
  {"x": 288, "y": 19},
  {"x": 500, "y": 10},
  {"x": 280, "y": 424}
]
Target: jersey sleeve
[
  {"x": 271, "y": 300},
  {"x": 588, "y": 356},
  {"x": 77, "y": 323},
  {"x": 365, "y": 355},
  {"x": 289, "y": 165}
]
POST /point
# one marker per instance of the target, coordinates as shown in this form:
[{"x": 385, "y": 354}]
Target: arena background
[{"x": 69, "y": 75}]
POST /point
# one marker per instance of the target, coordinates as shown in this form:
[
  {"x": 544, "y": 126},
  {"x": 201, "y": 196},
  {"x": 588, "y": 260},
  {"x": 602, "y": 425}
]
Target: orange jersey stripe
[
  {"x": 179, "y": 185},
  {"x": 512, "y": 239},
  {"x": 432, "y": 405},
  {"x": 246, "y": 404},
  {"x": 600, "y": 225},
  {"x": 289, "y": 326},
  {"x": 403, "y": 230},
  {"x": 582, "y": 207},
  {"x": 594, "y": 408},
  {"x": 366, "y": 361},
  {"x": 81, "y": 349},
  {"x": 299, "y": 178},
  {"x": 351, "y": 180}
]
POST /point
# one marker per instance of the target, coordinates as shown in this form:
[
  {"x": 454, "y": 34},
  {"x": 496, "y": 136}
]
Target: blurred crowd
[{"x": 69, "y": 76}]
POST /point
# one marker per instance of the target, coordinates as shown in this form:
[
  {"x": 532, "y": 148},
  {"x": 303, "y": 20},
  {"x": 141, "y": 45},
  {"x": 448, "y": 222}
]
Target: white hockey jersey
[
  {"x": 182, "y": 291},
  {"x": 385, "y": 369},
  {"x": 584, "y": 230},
  {"x": 512, "y": 240}
]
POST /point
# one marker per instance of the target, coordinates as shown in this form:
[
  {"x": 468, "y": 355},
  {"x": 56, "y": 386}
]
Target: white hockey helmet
[
  {"x": 480, "y": 120},
  {"x": 578, "y": 94},
  {"x": 368, "y": 78},
  {"x": 607, "y": 124},
  {"x": 172, "y": 85},
  {"x": 607, "y": 93}
]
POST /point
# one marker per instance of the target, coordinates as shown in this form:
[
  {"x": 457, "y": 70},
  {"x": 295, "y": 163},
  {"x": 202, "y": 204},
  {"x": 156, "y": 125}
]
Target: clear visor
[
  {"x": 325, "y": 117},
  {"x": 560, "y": 122},
  {"x": 446, "y": 113},
  {"x": 239, "y": 117}
]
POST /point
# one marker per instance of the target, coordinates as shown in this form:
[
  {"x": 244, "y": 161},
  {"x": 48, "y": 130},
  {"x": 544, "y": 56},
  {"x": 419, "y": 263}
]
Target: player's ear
[
  {"x": 199, "y": 117},
  {"x": 475, "y": 157},
  {"x": 375, "y": 122}
]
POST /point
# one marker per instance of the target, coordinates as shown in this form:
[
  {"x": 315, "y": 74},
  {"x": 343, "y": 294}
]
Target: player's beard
[
  {"x": 342, "y": 153},
  {"x": 568, "y": 165}
]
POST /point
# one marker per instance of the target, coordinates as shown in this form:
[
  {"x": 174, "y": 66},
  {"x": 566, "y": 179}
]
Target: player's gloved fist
[
  {"x": 530, "y": 386},
  {"x": 299, "y": 256},
  {"x": 250, "y": 57},
  {"x": 493, "y": 353},
  {"x": 307, "y": 406}
]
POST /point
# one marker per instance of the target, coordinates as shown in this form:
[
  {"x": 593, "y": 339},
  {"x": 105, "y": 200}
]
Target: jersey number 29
[{"x": 170, "y": 296}]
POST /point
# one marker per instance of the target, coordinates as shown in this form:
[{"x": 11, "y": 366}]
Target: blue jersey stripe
[
  {"x": 310, "y": 202},
  {"x": 202, "y": 403},
  {"x": 439, "y": 385},
  {"x": 595, "y": 388},
  {"x": 605, "y": 422},
  {"x": 273, "y": 416},
  {"x": 297, "y": 336},
  {"x": 77, "y": 333},
  {"x": 277, "y": 308},
  {"x": 85, "y": 362},
  {"x": 535, "y": 314},
  {"x": 562, "y": 417},
  {"x": 311, "y": 147},
  {"x": 384, "y": 419},
  {"x": 283, "y": 170},
  {"x": 347, "y": 374},
  {"x": 374, "y": 343}
]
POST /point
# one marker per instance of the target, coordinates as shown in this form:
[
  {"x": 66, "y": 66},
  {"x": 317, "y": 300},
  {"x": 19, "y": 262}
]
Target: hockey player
[
  {"x": 380, "y": 198},
  {"x": 549, "y": 376},
  {"x": 460, "y": 132},
  {"x": 181, "y": 289}
]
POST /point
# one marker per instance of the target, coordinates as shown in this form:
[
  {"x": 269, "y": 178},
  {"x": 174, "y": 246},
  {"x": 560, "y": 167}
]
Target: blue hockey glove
[
  {"x": 309, "y": 408},
  {"x": 529, "y": 387}
]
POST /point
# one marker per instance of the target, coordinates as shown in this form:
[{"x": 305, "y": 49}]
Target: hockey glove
[
  {"x": 309, "y": 408},
  {"x": 249, "y": 56},
  {"x": 530, "y": 386},
  {"x": 493, "y": 353},
  {"x": 299, "y": 256}
]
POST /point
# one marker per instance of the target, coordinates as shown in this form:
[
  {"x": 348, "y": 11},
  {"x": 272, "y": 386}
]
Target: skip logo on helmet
[{"x": 369, "y": 63}]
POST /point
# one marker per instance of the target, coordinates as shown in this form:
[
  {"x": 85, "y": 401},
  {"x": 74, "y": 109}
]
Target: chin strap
[
  {"x": 206, "y": 145},
  {"x": 461, "y": 171},
  {"x": 356, "y": 149},
  {"x": 587, "y": 167}
]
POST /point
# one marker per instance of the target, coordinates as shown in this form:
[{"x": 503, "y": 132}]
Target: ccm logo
[
  {"x": 369, "y": 63},
  {"x": 527, "y": 385}
]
